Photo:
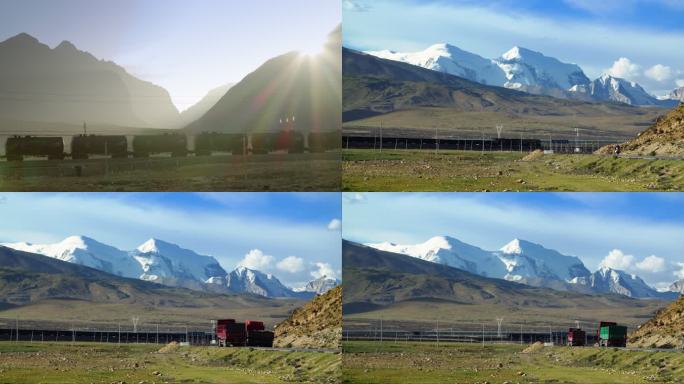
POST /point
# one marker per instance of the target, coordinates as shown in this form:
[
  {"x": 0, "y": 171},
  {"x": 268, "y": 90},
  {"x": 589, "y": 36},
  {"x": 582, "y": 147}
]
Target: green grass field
[
  {"x": 367, "y": 362},
  {"x": 295, "y": 172},
  {"x": 102, "y": 363},
  {"x": 466, "y": 171}
]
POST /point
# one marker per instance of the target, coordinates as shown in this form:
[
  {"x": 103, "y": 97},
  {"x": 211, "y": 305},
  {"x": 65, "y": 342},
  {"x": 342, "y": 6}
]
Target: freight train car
[
  {"x": 82, "y": 146},
  {"x": 175, "y": 144},
  {"x": 290, "y": 141},
  {"x": 209, "y": 142},
  {"x": 17, "y": 147},
  {"x": 612, "y": 335},
  {"x": 576, "y": 337},
  {"x": 324, "y": 141}
]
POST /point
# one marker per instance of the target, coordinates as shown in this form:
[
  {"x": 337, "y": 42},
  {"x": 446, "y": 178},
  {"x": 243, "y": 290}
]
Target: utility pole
[
  {"x": 381, "y": 330},
  {"x": 380, "y": 136},
  {"x": 482, "y": 335},
  {"x": 499, "y": 320}
]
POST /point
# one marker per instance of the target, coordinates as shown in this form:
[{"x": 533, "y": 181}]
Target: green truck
[{"x": 612, "y": 335}]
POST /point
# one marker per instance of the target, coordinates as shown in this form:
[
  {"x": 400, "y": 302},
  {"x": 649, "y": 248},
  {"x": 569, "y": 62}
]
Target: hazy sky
[
  {"x": 187, "y": 46},
  {"x": 638, "y": 40},
  {"x": 295, "y": 236},
  {"x": 638, "y": 232}
]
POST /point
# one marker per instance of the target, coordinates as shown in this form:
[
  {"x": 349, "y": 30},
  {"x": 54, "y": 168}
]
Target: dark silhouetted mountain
[
  {"x": 65, "y": 85},
  {"x": 292, "y": 84}
]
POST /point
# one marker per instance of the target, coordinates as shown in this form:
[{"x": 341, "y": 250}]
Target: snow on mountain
[
  {"x": 677, "y": 94},
  {"x": 452, "y": 252},
  {"x": 608, "y": 280},
  {"x": 677, "y": 286},
  {"x": 519, "y": 68},
  {"x": 609, "y": 88},
  {"x": 245, "y": 280},
  {"x": 452, "y": 60},
  {"x": 87, "y": 252},
  {"x": 526, "y": 260},
  {"x": 528, "y": 263},
  {"x": 319, "y": 286},
  {"x": 161, "y": 262},
  {"x": 525, "y": 68},
  {"x": 529, "y": 71}
]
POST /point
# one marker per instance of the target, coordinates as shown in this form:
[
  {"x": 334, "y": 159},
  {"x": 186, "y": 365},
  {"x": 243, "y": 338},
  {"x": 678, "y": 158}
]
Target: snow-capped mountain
[
  {"x": 452, "y": 252},
  {"x": 677, "y": 94},
  {"x": 245, "y": 280},
  {"x": 87, "y": 252},
  {"x": 319, "y": 286},
  {"x": 608, "y": 280},
  {"x": 526, "y": 260},
  {"x": 519, "y": 260},
  {"x": 519, "y": 68},
  {"x": 452, "y": 60},
  {"x": 525, "y": 68},
  {"x": 677, "y": 286},
  {"x": 161, "y": 262},
  {"x": 609, "y": 88}
]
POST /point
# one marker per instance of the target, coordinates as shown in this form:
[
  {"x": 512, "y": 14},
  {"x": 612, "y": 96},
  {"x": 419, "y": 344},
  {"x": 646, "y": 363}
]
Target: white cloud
[
  {"x": 651, "y": 264},
  {"x": 680, "y": 273},
  {"x": 659, "y": 72},
  {"x": 680, "y": 82},
  {"x": 354, "y": 198},
  {"x": 291, "y": 264},
  {"x": 624, "y": 69},
  {"x": 335, "y": 225},
  {"x": 256, "y": 259},
  {"x": 324, "y": 269},
  {"x": 616, "y": 259}
]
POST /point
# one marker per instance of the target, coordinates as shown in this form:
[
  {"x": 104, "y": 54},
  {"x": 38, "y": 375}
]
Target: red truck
[
  {"x": 576, "y": 337},
  {"x": 250, "y": 333}
]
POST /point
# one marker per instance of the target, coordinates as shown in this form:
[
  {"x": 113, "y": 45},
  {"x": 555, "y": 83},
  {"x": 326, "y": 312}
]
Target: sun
[{"x": 313, "y": 47}]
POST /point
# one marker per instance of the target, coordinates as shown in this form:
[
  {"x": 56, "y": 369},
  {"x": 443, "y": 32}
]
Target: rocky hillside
[
  {"x": 318, "y": 324},
  {"x": 665, "y": 330},
  {"x": 665, "y": 138}
]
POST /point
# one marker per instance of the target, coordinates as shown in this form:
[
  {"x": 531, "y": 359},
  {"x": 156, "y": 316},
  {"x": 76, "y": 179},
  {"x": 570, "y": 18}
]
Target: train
[
  {"x": 474, "y": 144},
  {"x": 174, "y": 144},
  {"x": 230, "y": 333}
]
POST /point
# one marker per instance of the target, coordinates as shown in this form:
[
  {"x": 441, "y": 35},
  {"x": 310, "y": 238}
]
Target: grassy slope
[
  {"x": 366, "y": 170},
  {"x": 102, "y": 363},
  {"x": 470, "y": 363},
  {"x": 320, "y": 172}
]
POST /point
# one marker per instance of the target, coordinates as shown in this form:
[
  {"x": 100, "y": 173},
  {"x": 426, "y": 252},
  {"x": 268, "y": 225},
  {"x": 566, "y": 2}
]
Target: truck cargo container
[
  {"x": 613, "y": 336},
  {"x": 576, "y": 337}
]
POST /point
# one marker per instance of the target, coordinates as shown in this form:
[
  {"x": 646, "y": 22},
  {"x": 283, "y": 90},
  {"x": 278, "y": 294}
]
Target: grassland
[
  {"x": 102, "y": 363},
  {"x": 304, "y": 172},
  {"x": 463, "y": 171},
  {"x": 367, "y": 362}
]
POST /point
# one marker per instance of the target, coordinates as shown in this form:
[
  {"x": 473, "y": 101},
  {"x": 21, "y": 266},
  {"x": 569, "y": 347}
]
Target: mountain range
[
  {"x": 405, "y": 289},
  {"x": 164, "y": 263},
  {"x": 527, "y": 263},
  {"x": 529, "y": 71},
  {"x": 408, "y": 98}
]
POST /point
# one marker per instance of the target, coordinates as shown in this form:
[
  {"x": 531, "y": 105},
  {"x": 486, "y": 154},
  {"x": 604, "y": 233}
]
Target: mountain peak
[
  {"x": 519, "y": 53},
  {"x": 66, "y": 46},
  {"x": 514, "y": 246},
  {"x": 22, "y": 39},
  {"x": 153, "y": 245}
]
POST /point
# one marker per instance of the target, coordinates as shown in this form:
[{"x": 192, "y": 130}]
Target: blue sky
[
  {"x": 228, "y": 226},
  {"x": 621, "y": 230},
  {"x": 595, "y": 34},
  {"x": 187, "y": 46}
]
